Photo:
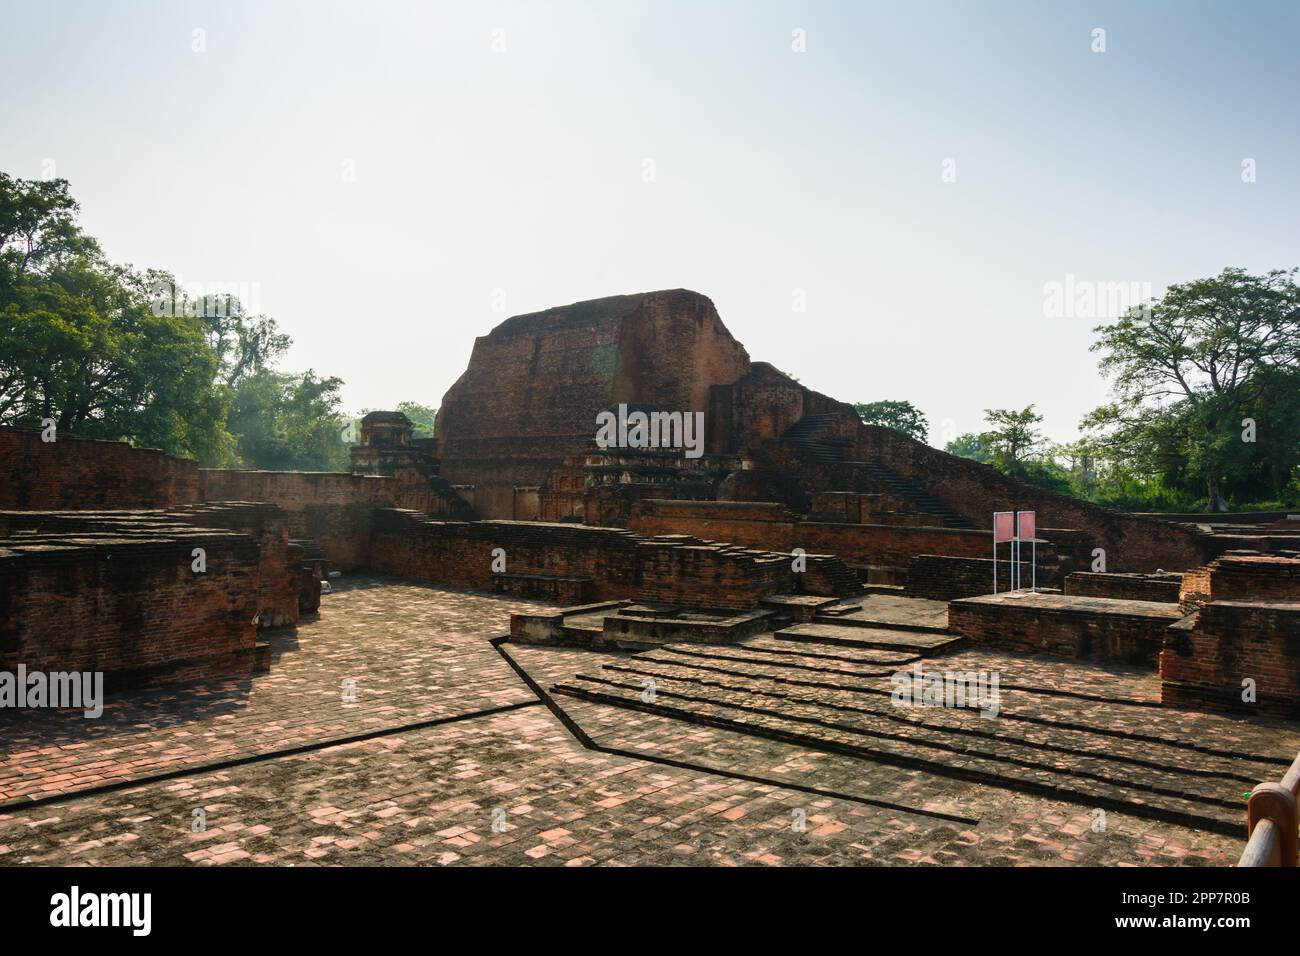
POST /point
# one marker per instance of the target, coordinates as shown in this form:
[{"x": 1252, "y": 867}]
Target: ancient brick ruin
[
  {"x": 516, "y": 470},
  {"x": 800, "y": 548}
]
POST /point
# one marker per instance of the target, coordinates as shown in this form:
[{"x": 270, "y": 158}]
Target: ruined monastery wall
[
  {"x": 976, "y": 491},
  {"x": 82, "y": 474},
  {"x": 131, "y": 607}
]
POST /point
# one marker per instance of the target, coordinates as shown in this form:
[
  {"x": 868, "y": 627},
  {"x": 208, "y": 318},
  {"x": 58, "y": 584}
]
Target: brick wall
[
  {"x": 618, "y": 564},
  {"x": 132, "y": 608},
  {"x": 1095, "y": 633},
  {"x": 1129, "y": 587},
  {"x": 331, "y": 508},
  {"x": 279, "y": 563},
  {"x": 1204, "y": 662},
  {"x": 945, "y": 578},
  {"x": 84, "y": 474},
  {"x": 773, "y": 528}
]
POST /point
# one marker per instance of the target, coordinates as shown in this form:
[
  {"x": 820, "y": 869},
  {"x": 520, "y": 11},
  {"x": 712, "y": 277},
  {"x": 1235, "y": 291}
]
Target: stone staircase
[
  {"x": 818, "y": 449},
  {"x": 1115, "y": 753}
]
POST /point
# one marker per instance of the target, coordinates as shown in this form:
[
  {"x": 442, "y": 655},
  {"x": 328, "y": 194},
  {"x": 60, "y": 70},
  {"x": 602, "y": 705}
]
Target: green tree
[
  {"x": 972, "y": 446},
  {"x": 79, "y": 343},
  {"x": 1013, "y": 437},
  {"x": 289, "y": 422},
  {"x": 899, "y": 415},
  {"x": 421, "y": 416},
  {"x": 1200, "y": 373}
]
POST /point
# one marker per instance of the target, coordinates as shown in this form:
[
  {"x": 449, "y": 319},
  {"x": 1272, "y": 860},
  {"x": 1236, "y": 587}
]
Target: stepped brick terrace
[{"x": 513, "y": 644}]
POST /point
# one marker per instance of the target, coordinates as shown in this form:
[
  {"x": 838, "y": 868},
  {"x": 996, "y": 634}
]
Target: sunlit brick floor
[{"x": 517, "y": 787}]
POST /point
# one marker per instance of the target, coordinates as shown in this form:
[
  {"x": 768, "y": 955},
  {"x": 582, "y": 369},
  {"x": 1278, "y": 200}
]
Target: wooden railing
[{"x": 1271, "y": 819}]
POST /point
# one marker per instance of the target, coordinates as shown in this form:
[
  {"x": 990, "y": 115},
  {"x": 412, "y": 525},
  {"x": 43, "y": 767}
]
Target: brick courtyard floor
[{"x": 517, "y": 787}]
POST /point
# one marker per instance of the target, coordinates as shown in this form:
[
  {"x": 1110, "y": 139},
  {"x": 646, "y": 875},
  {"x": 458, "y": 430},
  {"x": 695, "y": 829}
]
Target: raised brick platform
[{"x": 1100, "y": 629}]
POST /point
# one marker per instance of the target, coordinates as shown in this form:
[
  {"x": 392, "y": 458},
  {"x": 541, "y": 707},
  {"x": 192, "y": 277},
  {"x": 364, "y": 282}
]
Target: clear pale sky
[{"x": 523, "y": 170}]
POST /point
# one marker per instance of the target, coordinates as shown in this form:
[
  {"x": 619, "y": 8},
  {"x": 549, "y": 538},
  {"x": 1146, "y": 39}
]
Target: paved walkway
[{"x": 517, "y": 787}]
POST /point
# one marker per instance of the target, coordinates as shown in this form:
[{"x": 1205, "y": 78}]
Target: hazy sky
[{"x": 379, "y": 175}]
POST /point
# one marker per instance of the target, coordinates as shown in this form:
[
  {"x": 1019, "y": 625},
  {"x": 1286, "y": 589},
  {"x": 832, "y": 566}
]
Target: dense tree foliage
[
  {"x": 421, "y": 416},
  {"x": 1206, "y": 405},
  {"x": 1206, "y": 383},
  {"x": 106, "y": 351},
  {"x": 900, "y": 416}
]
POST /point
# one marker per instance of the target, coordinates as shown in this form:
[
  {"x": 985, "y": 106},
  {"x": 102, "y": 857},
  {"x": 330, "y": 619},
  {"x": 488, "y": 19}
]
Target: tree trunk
[{"x": 1216, "y": 499}]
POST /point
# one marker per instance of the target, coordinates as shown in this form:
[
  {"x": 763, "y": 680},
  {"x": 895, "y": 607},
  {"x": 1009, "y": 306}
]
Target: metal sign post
[
  {"x": 1027, "y": 526},
  {"x": 1003, "y": 530}
]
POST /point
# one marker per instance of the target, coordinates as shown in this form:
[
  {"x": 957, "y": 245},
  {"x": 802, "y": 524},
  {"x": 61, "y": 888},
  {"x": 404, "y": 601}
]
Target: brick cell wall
[
  {"x": 1247, "y": 625},
  {"x": 618, "y": 564},
  {"x": 331, "y": 508},
  {"x": 1100, "y": 637},
  {"x": 944, "y": 578},
  {"x": 775, "y": 529},
  {"x": 1129, "y": 587},
  {"x": 134, "y": 611},
  {"x": 1203, "y": 666},
  {"x": 83, "y": 474},
  {"x": 279, "y": 564}
]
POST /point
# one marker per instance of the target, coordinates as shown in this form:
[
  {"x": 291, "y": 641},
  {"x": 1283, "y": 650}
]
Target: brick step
[
  {"x": 841, "y": 620},
  {"x": 1015, "y": 767},
  {"x": 861, "y": 635},
  {"x": 768, "y": 644},
  {"x": 860, "y": 695},
  {"x": 561, "y": 590},
  {"x": 787, "y": 662}
]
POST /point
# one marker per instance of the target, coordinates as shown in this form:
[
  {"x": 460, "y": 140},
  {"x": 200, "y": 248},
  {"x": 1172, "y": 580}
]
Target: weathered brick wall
[
  {"x": 773, "y": 528},
  {"x": 331, "y": 508},
  {"x": 945, "y": 578},
  {"x": 1131, "y": 543},
  {"x": 1079, "y": 633},
  {"x": 1204, "y": 662},
  {"x": 132, "y": 608},
  {"x": 459, "y": 554},
  {"x": 279, "y": 564},
  {"x": 618, "y": 564},
  {"x": 84, "y": 474},
  {"x": 1129, "y": 587},
  {"x": 852, "y": 507}
]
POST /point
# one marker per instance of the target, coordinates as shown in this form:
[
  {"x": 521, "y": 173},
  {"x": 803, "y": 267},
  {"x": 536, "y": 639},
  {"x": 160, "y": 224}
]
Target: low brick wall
[
  {"x": 777, "y": 530},
  {"x": 1089, "y": 628},
  {"x": 279, "y": 565},
  {"x": 619, "y": 564},
  {"x": 1242, "y": 577},
  {"x": 1204, "y": 663},
  {"x": 83, "y": 474},
  {"x": 1162, "y": 588},
  {"x": 131, "y": 608},
  {"x": 557, "y": 590},
  {"x": 331, "y": 508},
  {"x": 943, "y": 578}
]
